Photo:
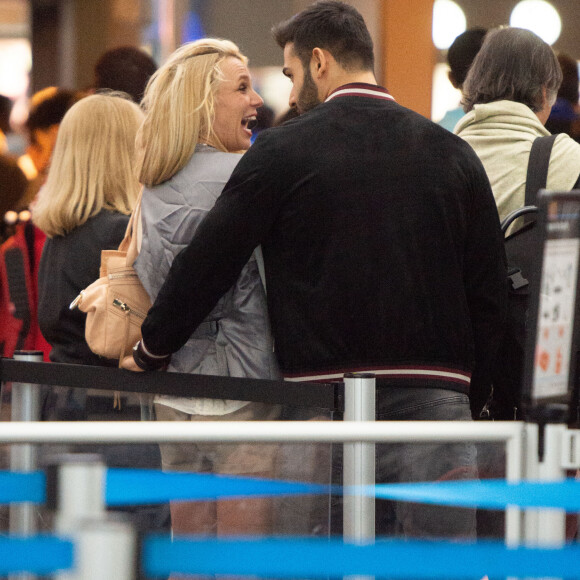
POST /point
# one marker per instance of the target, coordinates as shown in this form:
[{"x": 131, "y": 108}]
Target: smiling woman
[
  {"x": 236, "y": 104},
  {"x": 199, "y": 106}
]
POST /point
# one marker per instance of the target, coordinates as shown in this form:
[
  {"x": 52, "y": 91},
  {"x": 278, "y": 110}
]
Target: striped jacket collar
[{"x": 360, "y": 90}]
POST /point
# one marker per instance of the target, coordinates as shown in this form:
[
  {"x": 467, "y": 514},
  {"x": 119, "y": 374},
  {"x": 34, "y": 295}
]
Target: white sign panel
[{"x": 556, "y": 318}]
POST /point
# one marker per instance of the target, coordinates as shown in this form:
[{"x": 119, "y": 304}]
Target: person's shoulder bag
[{"x": 117, "y": 303}]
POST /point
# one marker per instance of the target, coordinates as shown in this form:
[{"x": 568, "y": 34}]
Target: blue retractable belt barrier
[
  {"x": 18, "y": 487},
  {"x": 296, "y": 557},
  {"x": 138, "y": 486},
  {"x": 37, "y": 555},
  {"x": 126, "y": 486},
  {"x": 134, "y": 486},
  {"x": 487, "y": 494},
  {"x": 313, "y": 557}
]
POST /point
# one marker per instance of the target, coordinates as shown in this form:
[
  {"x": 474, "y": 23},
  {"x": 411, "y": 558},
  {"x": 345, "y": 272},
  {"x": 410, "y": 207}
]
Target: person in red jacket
[
  {"x": 19, "y": 259},
  {"x": 20, "y": 254}
]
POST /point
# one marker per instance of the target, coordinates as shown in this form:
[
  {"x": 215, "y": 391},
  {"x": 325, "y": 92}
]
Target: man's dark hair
[
  {"x": 51, "y": 110},
  {"x": 514, "y": 65},
  {"x": 126, "y": 69},
  {"x": 569, "y": 87},
  {"x": 330, "y": 25},
  {"x": 462, "y": 52}
]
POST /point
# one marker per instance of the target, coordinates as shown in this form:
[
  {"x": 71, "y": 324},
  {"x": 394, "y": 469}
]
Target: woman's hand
[
  {"x": 128, "y": 363},
  {"x": 147, "y": 361}
]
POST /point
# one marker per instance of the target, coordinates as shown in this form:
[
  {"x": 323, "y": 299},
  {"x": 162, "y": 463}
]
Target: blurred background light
[
  {"x": 448, "y": 22},
  {"x": 444, "y": 96},
  {"x": 538, "y": 16}
]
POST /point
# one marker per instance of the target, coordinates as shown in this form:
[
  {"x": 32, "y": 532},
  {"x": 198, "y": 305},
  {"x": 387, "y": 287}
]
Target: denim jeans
[
  {"x": 408, "y": 462},
  {"x": 309, "y": 515}
]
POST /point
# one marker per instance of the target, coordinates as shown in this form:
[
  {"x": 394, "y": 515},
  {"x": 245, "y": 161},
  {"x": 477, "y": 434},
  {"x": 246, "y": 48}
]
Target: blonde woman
[
  {"x": 83, "y": 208},
  {"x": 198, "y": 107}
]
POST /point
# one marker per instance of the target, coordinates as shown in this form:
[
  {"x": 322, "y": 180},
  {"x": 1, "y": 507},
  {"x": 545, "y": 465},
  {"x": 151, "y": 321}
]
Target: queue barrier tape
[
  {"x": 126, "y": 486},
  {"x": 18, "y": 487},
  {"x": 321, "y": 557},
  {"x": 37, "y": 555},
  {"x": 487, "y": 494},
  {"x": 140, "y": 486},
  {"x": 137, "y": 486},
  {"x": 308, "y": 558}
]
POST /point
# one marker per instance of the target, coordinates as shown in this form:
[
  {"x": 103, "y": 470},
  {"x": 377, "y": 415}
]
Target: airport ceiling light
[
  {"x": 538, "y": 16},
  {"x": 448, "y": 23}
]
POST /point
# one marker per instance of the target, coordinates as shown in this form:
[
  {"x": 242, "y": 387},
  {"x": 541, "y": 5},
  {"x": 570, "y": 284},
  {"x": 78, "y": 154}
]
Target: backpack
[
  {"x": 117, "y": 303},
  {"x": 523, "y": 265},
  {"x": 19, "y": 258}
]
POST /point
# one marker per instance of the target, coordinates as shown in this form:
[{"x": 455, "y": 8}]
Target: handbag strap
[
  {"x": 538, "y": 165},
  {"x": 131, "y": 243}
]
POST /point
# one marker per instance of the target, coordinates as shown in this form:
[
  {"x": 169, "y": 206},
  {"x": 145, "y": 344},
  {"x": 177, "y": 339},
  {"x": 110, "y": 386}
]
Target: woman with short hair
[{"x": 198, "y": 108}]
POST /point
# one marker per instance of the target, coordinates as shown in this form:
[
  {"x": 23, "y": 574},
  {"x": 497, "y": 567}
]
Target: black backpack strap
[
  {"x": 538, "y": 164},
  {"x": 15, "y": 265}
]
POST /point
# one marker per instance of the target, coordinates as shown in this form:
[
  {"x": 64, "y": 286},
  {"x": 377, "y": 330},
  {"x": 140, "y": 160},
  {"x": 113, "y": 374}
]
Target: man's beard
[{"x": 308, "y": 97}]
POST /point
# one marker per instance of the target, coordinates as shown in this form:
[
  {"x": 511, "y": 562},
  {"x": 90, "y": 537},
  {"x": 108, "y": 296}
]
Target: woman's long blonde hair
[
  {"x": 92, "y": 166},
  {"x": 179, "y": 108}
]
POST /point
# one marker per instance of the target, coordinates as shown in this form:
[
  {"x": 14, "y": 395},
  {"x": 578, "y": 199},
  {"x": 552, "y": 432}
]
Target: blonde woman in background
[
  {"x": 84, "y": 208},
  {"x": 198, "y": 106}
]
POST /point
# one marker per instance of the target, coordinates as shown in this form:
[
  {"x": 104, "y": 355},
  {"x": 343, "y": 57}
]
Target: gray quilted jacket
[{"x": 235, "y": 339}]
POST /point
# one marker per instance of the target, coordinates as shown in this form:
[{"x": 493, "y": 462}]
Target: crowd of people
[{"x": 355, "y": 236}]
